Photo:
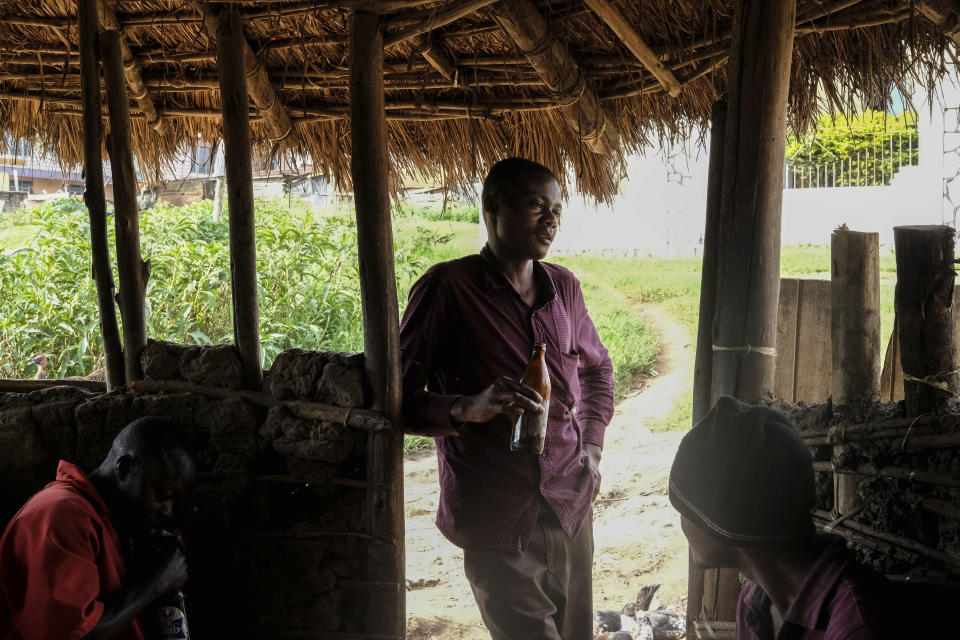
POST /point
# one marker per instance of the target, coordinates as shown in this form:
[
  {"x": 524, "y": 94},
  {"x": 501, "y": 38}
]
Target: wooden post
[
  {"x": 132, "y": 270},
  {"x": 855, "y": 336},
  {"x": 924, "y": 304},
  {"x": 381, "y": 319},
  {"x": 238, "y": 166},
  {"x": 748, "y": 261},
  {"x": 703, "y": 367},
  {"x": 88, "y": 25}
]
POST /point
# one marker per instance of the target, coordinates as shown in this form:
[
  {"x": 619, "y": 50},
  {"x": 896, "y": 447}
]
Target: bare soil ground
[{"x": 636, "y": 531}]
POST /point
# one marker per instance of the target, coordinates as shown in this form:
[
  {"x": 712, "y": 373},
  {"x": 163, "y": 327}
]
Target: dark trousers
[{"x": 543, "y": 593}]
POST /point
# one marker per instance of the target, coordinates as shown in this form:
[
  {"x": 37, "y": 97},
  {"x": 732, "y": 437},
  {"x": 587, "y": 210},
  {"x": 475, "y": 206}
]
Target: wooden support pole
[
  {"x": 745, "y": 324},
  {"x": 924, "y": 305},
  {"x": 260, "y": 90},
  {"x": 855, "y": 337},
  {"x": 531, "y": 32},
  {"x": 629, "y": 36},
  {"x": 131, "y": 69},
  {"x": 238, "y": 167},
  {"x": 88, "y": 26},
  {"x": 381, "y": 319},
  {"x": 132, "y": 270},
  {"x": 703, "y": 367}
]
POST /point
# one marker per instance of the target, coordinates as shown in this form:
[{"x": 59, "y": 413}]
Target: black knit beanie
[{"x": 743, "y": 475}]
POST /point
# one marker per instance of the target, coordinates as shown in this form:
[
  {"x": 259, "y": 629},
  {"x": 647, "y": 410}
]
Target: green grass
[
  {"x": 613, "y": 287},
  {"x": 16, "y": 236}
]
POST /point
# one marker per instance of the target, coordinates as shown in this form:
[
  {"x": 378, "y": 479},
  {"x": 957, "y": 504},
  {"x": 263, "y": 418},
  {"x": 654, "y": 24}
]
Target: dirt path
[{"x": 637, "y": 533}]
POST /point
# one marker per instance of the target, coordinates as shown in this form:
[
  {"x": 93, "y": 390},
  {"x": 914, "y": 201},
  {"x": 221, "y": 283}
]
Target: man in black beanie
[{"x": 743, "y": 483}]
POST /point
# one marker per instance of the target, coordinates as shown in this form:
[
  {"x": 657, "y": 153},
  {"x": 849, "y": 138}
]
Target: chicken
[
  {"x": 42, "y": 364},
  {"x": 642, "y": 619}
]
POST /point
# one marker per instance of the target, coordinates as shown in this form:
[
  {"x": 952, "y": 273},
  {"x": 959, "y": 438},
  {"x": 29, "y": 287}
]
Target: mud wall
[
  {"x": 279, "y": 546},
  {"x": 908, "y": 483}
]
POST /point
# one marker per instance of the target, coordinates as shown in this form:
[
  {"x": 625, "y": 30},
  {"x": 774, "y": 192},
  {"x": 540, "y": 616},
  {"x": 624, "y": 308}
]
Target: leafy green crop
[{"x": 307, "y": 269}]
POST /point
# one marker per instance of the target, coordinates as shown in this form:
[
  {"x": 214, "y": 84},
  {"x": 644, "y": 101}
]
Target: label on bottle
[{"x": 172, "y": 624}]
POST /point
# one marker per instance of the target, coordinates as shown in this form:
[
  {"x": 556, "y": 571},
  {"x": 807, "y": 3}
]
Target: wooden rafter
[
  {"x": 629, "y": 36},
  {"x": 132, "y": 71},
  {"x": 432, "y": 49},
  {"x": 531, "y": 32},
  {"x": 258, "y": 83},
  {"x": 428, "y": 20}
]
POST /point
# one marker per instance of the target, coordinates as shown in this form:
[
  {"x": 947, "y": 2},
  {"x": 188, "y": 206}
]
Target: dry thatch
[{"x": 494, "y": 102}]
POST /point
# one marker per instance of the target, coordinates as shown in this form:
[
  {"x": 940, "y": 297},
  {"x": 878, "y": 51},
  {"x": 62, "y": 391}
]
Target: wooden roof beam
[
  {"x": 258, "y": 83},
  {"x": 945, "y": 14},
  {"x": 551, "y": 59},
  {"x": 629, "y": 36},
  {"x": 132, "y": 71},
  {"x": 432, "y": 49},
  {"x": 430, "y": 19}
]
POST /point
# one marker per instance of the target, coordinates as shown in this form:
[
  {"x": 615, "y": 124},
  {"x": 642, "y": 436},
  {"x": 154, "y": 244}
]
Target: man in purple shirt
[
  {"x": 743, "y": 483},
  {"x": 524, "y": 521}
]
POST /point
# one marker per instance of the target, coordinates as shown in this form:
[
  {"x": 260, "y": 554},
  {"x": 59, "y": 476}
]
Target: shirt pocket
[{"x": 570, "y": 378}]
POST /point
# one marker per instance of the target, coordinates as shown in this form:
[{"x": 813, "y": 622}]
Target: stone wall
[{"x": 279, "y": 547}]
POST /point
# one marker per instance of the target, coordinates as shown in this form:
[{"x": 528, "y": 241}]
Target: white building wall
[{"x": 661, "y": 208}]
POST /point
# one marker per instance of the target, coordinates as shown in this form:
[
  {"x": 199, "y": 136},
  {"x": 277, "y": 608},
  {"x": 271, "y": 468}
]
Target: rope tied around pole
[
  {"x": 932, "y": 380},
  {"x": 837, "y": 433},
  {"x": 830, "y": 527},
  {"x": 748, "y": 349}
]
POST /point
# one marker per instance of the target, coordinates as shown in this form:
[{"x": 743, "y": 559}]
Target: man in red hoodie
[{"x": 63, "y": 557}]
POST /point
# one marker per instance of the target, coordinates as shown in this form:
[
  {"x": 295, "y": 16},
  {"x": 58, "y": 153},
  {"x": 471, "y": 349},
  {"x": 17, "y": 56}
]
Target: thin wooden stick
[
  {"x": 432, "y": 19},
  {"x": 825, "y": 9},
  {"x": 131, "y": 268},
  {"x": 239, "y": 173},
  {"x": 866, "y": 428},
  {"x": 93, "y": 195},
  {"x": 356, "y": 418},
  {"x": 941, "y": 507},
  {"x": 898, "y": 473},
  {"x": 629, "y": 36},
  {"x": 944, "y": 558},
  {"x": 15, "y": 385}
]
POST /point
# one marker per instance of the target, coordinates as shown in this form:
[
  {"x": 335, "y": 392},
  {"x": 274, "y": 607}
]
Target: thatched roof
[{"x": 497, "y": 100}]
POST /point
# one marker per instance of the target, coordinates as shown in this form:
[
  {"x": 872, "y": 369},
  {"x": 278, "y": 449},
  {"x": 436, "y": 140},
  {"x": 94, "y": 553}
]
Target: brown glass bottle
[{"x": 530, "y": 429}]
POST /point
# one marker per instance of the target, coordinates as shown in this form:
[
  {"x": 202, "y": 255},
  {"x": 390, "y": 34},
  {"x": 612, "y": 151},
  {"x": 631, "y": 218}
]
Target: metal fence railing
[{"x": 864, "y": 159}]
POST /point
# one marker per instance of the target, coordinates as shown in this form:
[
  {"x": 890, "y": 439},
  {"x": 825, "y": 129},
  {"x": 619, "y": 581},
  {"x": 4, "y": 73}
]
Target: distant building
[{"x": 27, "y": 174}]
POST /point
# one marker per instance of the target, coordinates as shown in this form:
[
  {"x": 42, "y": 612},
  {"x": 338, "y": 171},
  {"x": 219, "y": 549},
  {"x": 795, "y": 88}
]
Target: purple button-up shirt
[
  {"x": 839, "y": 600},
  {"x": 465, "y": 326}
]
